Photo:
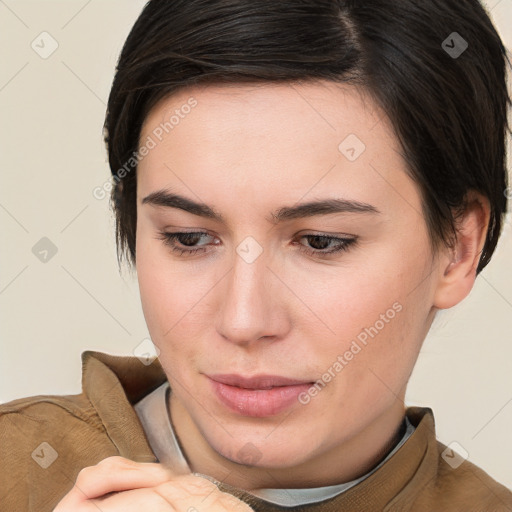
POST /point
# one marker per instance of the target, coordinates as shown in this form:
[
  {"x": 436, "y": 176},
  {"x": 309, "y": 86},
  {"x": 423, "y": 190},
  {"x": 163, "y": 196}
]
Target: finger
[
  {"x": 115, "y": 474},
  {"x": 191, "y": 493},
  {"x": 134, "y": 500}
]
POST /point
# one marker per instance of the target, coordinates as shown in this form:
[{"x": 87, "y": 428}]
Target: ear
[{"x": 457, "y": 265}]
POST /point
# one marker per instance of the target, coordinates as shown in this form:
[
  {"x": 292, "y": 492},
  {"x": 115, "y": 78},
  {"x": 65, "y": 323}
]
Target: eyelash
[{"x": 343, "y": 244}]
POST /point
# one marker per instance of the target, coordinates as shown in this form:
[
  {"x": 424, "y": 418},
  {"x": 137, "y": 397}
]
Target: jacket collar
[{"x": 113, "y": 384}]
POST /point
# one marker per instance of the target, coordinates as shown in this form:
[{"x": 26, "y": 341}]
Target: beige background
[{"x": 52, "y": 157}]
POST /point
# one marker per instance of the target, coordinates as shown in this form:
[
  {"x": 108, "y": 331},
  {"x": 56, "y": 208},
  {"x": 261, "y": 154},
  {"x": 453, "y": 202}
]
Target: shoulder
[
  {"x": 462, "y": 485},
  {"x": 35, "y": 416},
  {"x": 45, "y": 441}
]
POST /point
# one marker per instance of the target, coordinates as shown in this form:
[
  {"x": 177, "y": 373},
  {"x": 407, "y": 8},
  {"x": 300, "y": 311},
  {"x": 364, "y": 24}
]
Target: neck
[{"x": 348, "y": 461}]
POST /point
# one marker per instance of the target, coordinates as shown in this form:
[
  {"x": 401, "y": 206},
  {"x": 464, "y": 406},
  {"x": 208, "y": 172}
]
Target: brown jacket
[{"x": 46, "y": 440}]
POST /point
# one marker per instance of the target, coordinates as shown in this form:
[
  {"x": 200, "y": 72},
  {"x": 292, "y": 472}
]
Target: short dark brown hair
[{"x": 437, "y": 68}]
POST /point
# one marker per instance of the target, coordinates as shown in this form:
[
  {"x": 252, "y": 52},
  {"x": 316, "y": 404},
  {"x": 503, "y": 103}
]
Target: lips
[
  {"x": 257, "y": 396},
  {"x": 257, "y": 381}
]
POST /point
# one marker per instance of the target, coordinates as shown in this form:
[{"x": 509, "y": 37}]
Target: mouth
[{"x": 257, "y": 396}]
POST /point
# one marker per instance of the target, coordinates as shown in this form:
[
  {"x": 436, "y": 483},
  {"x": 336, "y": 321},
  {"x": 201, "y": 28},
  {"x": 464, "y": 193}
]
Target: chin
[{"x": 260, "y": 452}]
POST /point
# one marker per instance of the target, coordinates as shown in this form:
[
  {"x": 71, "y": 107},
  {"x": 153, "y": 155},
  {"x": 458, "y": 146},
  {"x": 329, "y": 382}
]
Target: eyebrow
[{"x": 163, "y": 198}]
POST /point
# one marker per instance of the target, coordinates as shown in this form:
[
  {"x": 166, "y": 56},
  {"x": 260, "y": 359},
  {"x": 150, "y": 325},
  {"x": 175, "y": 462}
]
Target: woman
[{"x": 300, "y": 186}]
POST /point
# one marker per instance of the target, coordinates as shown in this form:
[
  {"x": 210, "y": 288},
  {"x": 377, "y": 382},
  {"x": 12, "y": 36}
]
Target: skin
[
  {"x": 246, "y": 151},
  {"x": 117, "y": 484}
]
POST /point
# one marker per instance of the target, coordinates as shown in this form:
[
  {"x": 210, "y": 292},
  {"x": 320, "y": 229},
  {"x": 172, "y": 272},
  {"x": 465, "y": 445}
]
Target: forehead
[
  {"x": 332, "y": 105},
  {"x": 264, "y": 138}
]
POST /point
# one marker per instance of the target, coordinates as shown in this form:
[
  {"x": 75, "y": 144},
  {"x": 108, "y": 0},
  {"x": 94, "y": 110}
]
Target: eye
[
  {"x": 187, "y": 239},
  {"x": 318, "y": 244}
]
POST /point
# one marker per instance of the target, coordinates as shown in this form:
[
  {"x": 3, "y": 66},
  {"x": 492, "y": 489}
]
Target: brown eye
[
  {"x": 186, "y": 239},
  {"x": 319, "y": 243}
]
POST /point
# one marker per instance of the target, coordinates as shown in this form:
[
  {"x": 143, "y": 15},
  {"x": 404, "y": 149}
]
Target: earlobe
[{"x": 458, "y": 265}]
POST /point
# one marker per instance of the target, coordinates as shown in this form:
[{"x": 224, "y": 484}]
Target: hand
[{"x": 117, "y": 484}]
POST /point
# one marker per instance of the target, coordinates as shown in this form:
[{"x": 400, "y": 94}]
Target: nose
[{"x": 252, "y": 303}]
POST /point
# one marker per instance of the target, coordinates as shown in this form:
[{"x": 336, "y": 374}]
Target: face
[{"x": 339, "y": 294}]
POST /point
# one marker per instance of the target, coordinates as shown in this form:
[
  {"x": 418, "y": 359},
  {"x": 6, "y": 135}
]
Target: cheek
[
  {"x": 161, "y": 289},
  {"x": 377, "y": 320},
  {"x": 348, "y": 300},
  {"x": 174, "y": 304},
  {"x": 164, "y": 311}
]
